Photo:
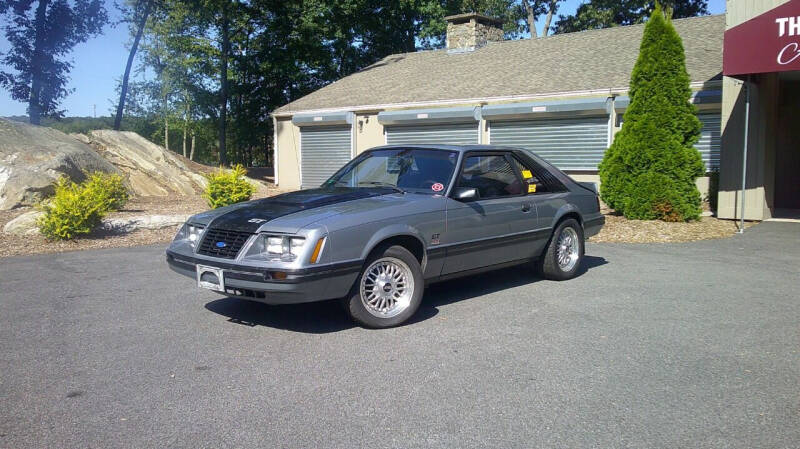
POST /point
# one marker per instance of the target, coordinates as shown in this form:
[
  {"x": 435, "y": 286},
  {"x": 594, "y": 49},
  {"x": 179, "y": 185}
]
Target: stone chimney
[{"x": 466, "y": 32}]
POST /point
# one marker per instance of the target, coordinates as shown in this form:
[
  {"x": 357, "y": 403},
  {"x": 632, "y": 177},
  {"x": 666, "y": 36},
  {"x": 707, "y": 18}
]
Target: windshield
[{"x": 415, "y": 170}]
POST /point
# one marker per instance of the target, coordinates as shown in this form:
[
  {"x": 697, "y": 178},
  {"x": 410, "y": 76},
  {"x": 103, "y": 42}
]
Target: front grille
[{"x": 232, "y": 242}]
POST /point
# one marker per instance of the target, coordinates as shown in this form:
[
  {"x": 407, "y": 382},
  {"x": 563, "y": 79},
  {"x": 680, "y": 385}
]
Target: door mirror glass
[{"x": 465, "y": 194}]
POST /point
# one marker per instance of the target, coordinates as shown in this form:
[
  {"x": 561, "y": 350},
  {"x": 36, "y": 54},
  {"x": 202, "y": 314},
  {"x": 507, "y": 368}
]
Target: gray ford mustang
[{"x": 389, "y": 222}]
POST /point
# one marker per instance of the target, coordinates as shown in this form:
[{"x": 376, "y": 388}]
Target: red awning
[{"x": 764, "y": 44}]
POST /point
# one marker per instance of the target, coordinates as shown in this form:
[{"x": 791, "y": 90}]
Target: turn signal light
[{"x": 317, "y": 250}]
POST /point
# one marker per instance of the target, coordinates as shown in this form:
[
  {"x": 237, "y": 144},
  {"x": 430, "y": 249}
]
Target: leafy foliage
[
  {"x": 108, "y": 189},
  {"x": 40, "y": 39},
  {"x": 226, "y": 187},
  {"x": 596, "y": 14},
  {"x": 652, "y": 163},
  {"x": 77, "y": 209}
]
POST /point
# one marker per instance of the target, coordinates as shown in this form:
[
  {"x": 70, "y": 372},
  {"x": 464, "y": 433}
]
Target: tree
[
  {"x": 139, "y": 15},
  {"x": 650, "y": 170},
  {"x": 607, "y": 13},
  {"x": 40, "y": 39},
  {"x": 534, "y": 8}
]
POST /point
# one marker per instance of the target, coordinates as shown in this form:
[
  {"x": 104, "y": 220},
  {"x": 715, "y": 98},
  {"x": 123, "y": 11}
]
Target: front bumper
[{"x": 259, "y": 283}]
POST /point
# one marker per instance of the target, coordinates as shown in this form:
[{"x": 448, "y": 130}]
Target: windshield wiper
[{"x": 382, "y": 184}]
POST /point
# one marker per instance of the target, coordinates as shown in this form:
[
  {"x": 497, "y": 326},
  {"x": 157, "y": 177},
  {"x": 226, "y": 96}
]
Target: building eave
[{"x": 478, "y": 100}]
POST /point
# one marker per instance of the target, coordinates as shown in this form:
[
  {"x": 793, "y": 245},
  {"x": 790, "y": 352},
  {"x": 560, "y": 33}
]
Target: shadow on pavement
[
  {"x": 449, "y": 292},
  {"x": 328, "y": 316}
]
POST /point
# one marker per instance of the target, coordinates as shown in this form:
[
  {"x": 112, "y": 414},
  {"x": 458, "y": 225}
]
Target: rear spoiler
[{"x": 590, "y": 186}]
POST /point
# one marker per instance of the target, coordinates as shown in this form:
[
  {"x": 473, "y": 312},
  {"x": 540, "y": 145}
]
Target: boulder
[
  {"x": 24, "y": 224},
  {"x": 32, "y": 158},
  {"x": 150, "y": 169},
  {"x": 129, "y": 224}
]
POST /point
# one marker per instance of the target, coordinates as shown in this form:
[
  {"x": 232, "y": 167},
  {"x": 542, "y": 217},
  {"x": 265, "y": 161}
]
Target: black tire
[
  {"x": 356, "y": 308},
  {"x": 548, "y": 265}
]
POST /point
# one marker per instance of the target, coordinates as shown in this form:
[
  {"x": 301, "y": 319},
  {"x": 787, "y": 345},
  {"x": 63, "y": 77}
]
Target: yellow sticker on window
[
  {"x": 527, "y": 174},
  {"x": 531, "y": 188}
]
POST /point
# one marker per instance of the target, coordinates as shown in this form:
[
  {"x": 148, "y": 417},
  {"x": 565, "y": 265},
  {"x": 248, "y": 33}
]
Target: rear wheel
[
  {"x": 388, "y": 290},
  {"x": 564, "y": 253}
]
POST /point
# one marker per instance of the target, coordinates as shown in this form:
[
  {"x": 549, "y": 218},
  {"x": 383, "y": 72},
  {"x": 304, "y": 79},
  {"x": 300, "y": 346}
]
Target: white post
[
  {"x": 274, "y": 150},
  {"x": 744, "y": 152}
]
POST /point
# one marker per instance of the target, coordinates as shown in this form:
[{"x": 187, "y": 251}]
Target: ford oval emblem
[{"x": 221, "y": 244}]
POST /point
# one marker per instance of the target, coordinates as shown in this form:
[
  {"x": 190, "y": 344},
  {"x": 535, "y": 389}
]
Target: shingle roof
[{"x": 583, "y": 61}]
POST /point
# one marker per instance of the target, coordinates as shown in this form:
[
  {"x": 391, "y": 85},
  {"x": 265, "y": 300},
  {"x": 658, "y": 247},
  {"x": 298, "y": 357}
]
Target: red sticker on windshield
[{"x": 437, "y": 187}]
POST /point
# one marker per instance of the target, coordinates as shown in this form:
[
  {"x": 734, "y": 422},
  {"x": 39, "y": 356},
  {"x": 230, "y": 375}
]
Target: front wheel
[
  {"x": 388, "y": 290},
  {"x": 564, "y": 253}
]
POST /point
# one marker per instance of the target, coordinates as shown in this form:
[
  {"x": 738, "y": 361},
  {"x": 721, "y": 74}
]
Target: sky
[{"x": 99, "y": 63}]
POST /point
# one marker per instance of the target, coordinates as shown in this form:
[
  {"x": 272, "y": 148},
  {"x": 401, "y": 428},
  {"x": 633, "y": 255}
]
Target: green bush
[
  {"x": 107, "y": 188},
  {"x": 76, "y": 209},
  {"x": 655, "y": 196},
  {"x": 658, "y": 135},
  {"x": 73, "y": 210},
  {"x": 227, "y": 187}
]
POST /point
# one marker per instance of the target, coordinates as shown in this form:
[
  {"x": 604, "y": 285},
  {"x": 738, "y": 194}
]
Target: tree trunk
[
  {"x": 185, "y": 127},
  {"x": 223, "y": 115},
  {"x": 166, "y": 132},
  {"x": 191, "y": 152},
  {"x": 124, "y": 90},
  {"x": 35, "y": 100},
  {"x": 530, "y": 9},
  {"x": 549, "y": 18}
]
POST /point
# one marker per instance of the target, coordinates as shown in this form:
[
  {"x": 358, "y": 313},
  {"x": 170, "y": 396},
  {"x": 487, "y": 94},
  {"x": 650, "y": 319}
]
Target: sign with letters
[{"x": 764, "y": 44}]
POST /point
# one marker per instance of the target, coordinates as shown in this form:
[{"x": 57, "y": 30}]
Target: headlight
[
  {"x": 190, "y": 232},
  {"x": 282, "y": 248}
]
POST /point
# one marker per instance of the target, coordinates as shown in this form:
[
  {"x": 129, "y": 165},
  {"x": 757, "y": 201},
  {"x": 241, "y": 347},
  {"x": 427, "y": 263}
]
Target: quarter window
[
  {"x": 491, "y": 175},
  {"x": 531, "y": 179}
]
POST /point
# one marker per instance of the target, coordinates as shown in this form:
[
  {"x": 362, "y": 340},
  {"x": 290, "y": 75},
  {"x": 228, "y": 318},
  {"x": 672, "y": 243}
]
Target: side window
[
  {"x": 491, "y": 175},
  {"x": 532, "y": 182}
]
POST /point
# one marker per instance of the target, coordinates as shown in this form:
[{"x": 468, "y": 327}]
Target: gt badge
[{"x": 435, "y": 239}]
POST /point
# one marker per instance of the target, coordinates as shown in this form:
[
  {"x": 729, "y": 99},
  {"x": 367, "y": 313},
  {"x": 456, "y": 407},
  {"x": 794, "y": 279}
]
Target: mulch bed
[
  {"x": 617, "y": 229},
  {"x": 12, "y": 245}
]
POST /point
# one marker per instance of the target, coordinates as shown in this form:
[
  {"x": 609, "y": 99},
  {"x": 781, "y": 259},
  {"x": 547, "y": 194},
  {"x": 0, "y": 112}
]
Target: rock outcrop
[
  {"x": 32, "y": 158},
  {"x": 25, "y": 224},
  {"x": 150, "y": 169},
  {"x": 129, "y": 224}
]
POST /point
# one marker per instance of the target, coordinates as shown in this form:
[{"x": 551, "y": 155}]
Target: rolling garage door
[
  {"x": 323, "y": 150},
  {"x": 569, "y": 144},
  {"x": 453, "y": 134},
  {"x": 710, "y": 138}
]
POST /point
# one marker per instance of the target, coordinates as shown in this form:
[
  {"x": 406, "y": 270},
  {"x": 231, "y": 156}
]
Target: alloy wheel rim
[
  {"x": 567, "y": 249},
  {"x": 387, "y": 287}
]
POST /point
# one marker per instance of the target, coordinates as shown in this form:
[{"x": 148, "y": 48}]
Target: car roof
[{"x": 458, "y": 148}]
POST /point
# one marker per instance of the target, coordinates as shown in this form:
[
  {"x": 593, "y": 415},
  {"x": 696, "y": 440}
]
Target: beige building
[
  {"x": 762, "y": 51},
  {"x": 562, "y": 96}
]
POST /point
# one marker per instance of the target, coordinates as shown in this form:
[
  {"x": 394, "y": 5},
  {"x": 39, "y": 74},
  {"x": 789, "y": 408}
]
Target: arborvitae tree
[{"x": 649, "y": 171}]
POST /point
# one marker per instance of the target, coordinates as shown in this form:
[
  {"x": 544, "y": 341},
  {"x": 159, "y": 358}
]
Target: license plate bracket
[{"x": 206, "y": 277}]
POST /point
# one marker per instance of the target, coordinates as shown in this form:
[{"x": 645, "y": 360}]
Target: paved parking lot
[{"x": 680, "y": 345}]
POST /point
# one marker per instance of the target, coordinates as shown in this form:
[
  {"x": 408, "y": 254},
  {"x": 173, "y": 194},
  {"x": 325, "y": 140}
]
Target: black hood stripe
[{"x": 250, "y": 217}]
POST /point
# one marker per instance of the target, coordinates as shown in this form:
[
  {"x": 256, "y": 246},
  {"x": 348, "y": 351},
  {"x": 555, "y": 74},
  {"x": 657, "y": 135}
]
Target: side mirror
[{"x": 465, "y": 194}]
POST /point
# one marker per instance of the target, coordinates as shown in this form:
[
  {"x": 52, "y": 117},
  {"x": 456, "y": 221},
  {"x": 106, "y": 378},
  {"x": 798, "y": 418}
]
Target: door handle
[{"x": 526, "y": 208}]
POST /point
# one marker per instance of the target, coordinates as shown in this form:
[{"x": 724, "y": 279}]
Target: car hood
[{"x": 294, "y": 209}]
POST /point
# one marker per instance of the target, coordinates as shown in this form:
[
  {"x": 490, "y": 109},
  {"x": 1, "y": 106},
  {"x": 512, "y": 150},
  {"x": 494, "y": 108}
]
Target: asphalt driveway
[{"x": 675, "y": 345}]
